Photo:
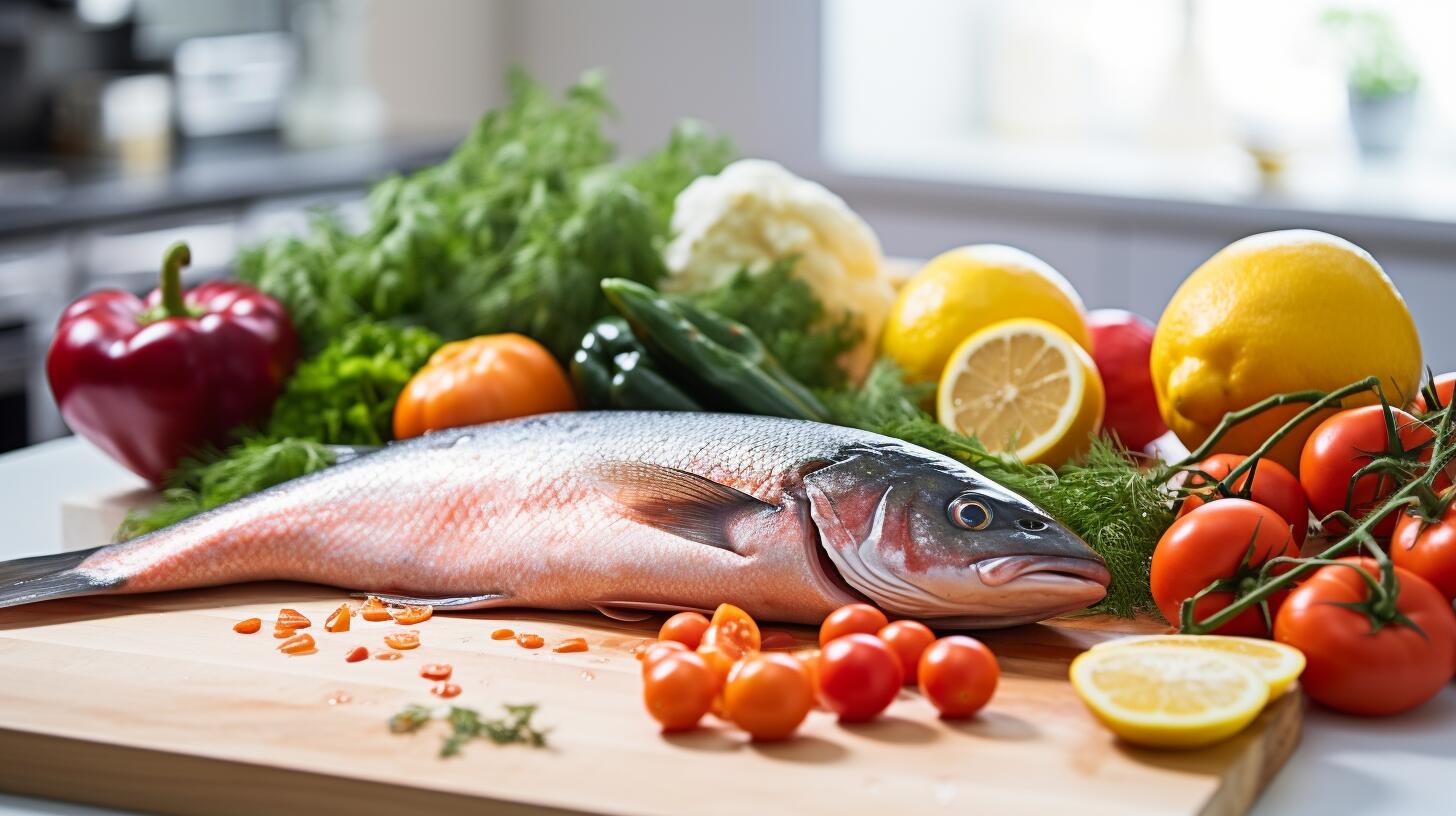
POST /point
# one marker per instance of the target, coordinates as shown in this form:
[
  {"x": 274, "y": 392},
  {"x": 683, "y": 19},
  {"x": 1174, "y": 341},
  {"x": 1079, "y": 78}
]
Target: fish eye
[{"x": 970, "y": 512}]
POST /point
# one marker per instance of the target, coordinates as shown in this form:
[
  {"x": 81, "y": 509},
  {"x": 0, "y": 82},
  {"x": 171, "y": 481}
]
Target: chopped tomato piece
[
  {"x": 503, "y": 634},
  {"x": 403, "y": 641},
  {"x": 374, "y": 609},
  {"x": 529, "y": 641},
  {"x": 731, "y": 635},
  {"x": 298, "y": 645},
  {"x": 436, "y": 671},
  {"x": 293, "y": 619},
  {"x": 339, "y": 620},
  {"x": 387, "y": 655},
  {"x": 249, "y": 626},
  {"x": 356, "y": 654},
  {"x": 280, "y": 631},
  {"x": 411, "y": 615},
  {"x": 445, "y": 690},
  {"x": 571, "y": 645}
]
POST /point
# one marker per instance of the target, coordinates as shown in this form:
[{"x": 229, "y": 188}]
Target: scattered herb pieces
[{"x": 467, "y": 724}]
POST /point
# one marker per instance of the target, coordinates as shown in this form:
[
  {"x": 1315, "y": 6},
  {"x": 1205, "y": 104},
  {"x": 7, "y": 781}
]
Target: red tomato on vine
[{"x": 1274, "y": 487}]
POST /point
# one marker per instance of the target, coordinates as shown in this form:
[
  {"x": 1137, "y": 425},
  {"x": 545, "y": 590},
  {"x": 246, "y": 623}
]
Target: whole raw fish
[{"x": 626, "y": 513}]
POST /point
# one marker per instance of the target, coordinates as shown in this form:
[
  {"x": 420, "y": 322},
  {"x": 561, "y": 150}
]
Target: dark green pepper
[
  {"x": 612, "y": 370},
  {"x": 713, "y": 353}
]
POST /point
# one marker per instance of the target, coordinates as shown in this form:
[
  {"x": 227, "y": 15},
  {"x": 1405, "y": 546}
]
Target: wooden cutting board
[{"x": 153, "y": 703}]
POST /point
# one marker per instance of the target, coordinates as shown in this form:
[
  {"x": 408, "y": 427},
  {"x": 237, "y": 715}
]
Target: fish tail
[{"x": 43, "y": 577}]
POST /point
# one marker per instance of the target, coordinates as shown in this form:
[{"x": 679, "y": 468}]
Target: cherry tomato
[
  {"x": 678, "y": 689},
  {"x": 411, "y": 615},
  {"x": 526, "y": 640},
  {"x": 339, "y": 619},
  {"x": 292, "y": 619},
  {"x": 298, "y": 645},
  {"x": 958, "y": 675},
  {"x": 858, "y": 676},
  {"x": 374, "y": 609},
  {"x": 249, "y": 626},
  {"x": 1342, "y": 445},
  {"x": 1274, "y": 487},
  {"x": 436, "y": 671},
  {"x": 847, "y": 620},
  {"x": 1428, "y": 550},
  {"x": 569, "y": 645},
  {"x": 403, "y": 641},
  {"x": 502, "y": 634},
  {"x": 908, "y": 639},
  {"x": 686, "y": 628},
  {"x": 356, "y": 654},
  {"x": 1354, "y": 668},
  {"x": 768, "y": 695},
  {"x": 730, "y": 636},
  {"x": 1445, "y": 391},
  {"x": 1208, "y": 545},
  {"x": 659, "y": 649}
]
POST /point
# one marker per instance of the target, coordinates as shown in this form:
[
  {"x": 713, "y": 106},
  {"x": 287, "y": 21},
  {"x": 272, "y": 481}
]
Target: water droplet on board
[
  {"x": 599, "y": 660},
  {"x": 587, "y": 675},
  {"x": 462, "y": 439},
  {"x": 945, "y": 792},
  {"x": 339, "y": 698}
]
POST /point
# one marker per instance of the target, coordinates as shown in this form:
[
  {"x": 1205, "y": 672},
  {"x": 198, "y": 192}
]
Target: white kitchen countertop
[{"x": 1397, "y": 765}]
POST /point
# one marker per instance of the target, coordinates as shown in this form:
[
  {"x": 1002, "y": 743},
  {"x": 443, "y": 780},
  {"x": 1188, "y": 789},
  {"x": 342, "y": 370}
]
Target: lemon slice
[
  {"x": 1280, "y": 664},
  {"x": 1170, "y": 696},
  {"x": 1022, "y": 386}
]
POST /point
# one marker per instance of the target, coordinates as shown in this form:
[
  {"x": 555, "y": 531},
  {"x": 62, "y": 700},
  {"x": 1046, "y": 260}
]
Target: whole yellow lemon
[
  {"x": 1272, "y": 313},
  {"x": 963, "y": 291}
]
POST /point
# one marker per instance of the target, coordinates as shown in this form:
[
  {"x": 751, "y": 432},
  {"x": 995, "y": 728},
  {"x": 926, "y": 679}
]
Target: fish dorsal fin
[{"x": 676, "y": 501}]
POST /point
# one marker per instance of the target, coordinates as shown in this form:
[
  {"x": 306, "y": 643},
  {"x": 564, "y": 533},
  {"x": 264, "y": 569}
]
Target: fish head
[{"x": 923, "y": 535}]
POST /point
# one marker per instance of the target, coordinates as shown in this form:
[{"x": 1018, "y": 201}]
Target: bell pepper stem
[{"x": 178, "y": 255}]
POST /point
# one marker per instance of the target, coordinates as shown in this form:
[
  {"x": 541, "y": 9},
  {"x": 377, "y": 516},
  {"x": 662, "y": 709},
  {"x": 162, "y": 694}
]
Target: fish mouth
[{"x": 1002, "y": 570}]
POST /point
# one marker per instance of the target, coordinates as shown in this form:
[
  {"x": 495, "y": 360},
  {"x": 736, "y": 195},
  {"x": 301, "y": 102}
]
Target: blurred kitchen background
[{"x": 1124, "y": 141}]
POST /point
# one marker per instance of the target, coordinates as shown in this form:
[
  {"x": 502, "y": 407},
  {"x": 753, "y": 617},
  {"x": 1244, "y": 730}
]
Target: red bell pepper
[{"x": 151, "y": 381}]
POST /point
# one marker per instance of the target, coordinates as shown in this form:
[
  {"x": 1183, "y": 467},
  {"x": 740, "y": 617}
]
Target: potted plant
[{"x": 1381, "y": 78}]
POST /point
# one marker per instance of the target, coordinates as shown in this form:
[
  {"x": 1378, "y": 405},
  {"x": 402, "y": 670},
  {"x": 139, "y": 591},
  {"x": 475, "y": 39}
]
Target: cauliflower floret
[{"x": 754, "y": 213}]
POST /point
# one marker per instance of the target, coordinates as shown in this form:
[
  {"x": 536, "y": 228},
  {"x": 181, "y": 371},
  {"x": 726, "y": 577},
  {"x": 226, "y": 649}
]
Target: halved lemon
[
  {"x": 1170, "y": 696},
  {"x": 1023, "y": 386},
  {"x": 1279, "y": 663}
]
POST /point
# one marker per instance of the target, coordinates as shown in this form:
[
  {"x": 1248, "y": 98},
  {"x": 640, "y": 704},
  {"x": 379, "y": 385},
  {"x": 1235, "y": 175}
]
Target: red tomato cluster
[{"x": 700, "y": 666}]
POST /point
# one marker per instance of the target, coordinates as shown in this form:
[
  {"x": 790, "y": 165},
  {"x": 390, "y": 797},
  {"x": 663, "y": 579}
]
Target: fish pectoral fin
[
  {"x": 676, "y": 501},
  {"x": 633, "y": 611},
  {"x": 455, "y": 604}
]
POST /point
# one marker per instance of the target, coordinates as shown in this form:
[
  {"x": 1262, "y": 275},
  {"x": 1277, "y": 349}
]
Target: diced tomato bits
[
  {"x": 356, "y": 654},
  {"x": 503, "y": 634},
  {"x": 571, "y": 645},
  {"x": 298, "y": 645},
  {"x": 436, "y": 671},
  {"x": 284, "y": 631},
  {"x": 411, "y": 615},
  {"x": 529, "y": 641},
  {"x": 387, "y": 655},
  {"x": 374, "y": 609},
  {"x": 249, "y": 626},
  {"x": 446, "y": 690},
  {"x": 403, "y": 641},
  {"x": 339, "y": 620},
  {"x": 293, "y": 619}
]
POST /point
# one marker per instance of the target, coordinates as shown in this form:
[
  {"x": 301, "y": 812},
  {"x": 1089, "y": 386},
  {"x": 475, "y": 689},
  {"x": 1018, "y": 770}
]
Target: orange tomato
[
  {"x": 403, "y": 640},
  {"x": 958, "y": 675},
  {"x": 908, "y": 639},
  {"x": 502, "y": 634},
  {"x": 656, "y": 651},
  {"x": 483, "y": 379},
  {"x": 298, "y": 645},
  {"x": 356, "y": 654},
  {"x": 686, "y": 628},
  {"x": 678, "y": 690},
  {"x": 411, "y": 615},
  {"x": 292, "y": 619},
  {"x": 374, "y": 609},
  {"x": 249, "y": 626},
  {"x": 768, "y": 695},
  {"x": 529, "y": 641},
  {"x": 571, "y": 645},
  {"x": 852, "y": 619},
  {"x": 730, "y": 635},
  {"x": 339, "y": 620}
]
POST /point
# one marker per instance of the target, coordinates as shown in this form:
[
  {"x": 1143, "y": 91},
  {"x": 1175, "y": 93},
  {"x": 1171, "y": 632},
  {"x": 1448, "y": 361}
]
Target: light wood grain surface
[{"x": 152, "y": 702}]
